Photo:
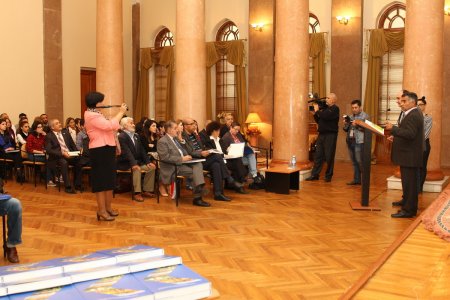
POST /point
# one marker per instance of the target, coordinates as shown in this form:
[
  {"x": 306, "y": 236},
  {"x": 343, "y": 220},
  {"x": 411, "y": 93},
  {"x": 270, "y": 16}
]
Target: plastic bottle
[{"x": 293, "y": 162}]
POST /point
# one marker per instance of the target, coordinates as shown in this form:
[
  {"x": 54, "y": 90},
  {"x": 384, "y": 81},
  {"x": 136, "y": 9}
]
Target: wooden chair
[
  {"x": 85, "y": 169},
  {"x": 33, "y": 165}
]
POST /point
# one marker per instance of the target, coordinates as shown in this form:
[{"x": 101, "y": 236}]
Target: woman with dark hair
[
  {"x": 71, "y": 128},
  {"x": 139, "y": 126},
  {"x": 10, "y": 131},
  {"x": 235, "y": 165},
  {"x": 36, "y": 148},
  {"x": 149, "y": 135},
  {"x": 22, "y": 133},
  {"x": 103, "y": 148}
]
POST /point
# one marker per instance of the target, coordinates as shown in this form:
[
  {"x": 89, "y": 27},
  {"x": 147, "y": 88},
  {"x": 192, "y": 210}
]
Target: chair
[
  {"x": 35, "y": 164},
  {"x": 5, "y": 161},
  {"x": 130, "y": 172},
  {"x": 85, "y": 169}
]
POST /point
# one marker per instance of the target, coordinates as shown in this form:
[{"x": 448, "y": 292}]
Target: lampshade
[{"x": 253, "y": 118}]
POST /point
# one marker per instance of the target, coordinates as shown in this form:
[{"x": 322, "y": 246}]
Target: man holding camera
[
  {"x": 327, "y": 118},
  {"x": 355, "y": 139}
]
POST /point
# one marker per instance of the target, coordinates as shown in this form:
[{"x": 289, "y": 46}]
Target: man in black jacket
[
  {"x": 133, "y": 157},
  {"x": 58, "y": 144},
  {"x": 327, "y": 119},
  {"x": 407, "y": 151}
]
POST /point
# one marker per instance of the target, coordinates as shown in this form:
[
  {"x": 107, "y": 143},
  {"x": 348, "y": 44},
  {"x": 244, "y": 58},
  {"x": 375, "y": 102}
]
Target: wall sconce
[
  {"x": 257, "y": 26},
  {"x": 447, "y": 10},
  {"x": 343, "y": 20}
]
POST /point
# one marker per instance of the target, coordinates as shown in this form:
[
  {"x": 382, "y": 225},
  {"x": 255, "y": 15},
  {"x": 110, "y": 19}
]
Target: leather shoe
[
  {"x": 240, "y": 190},
  {"x": 311, "y": 178},
  {"x": 221, "y": 197},
  {"x": 148, "y": 194},
  {"x": 69, "y": 190},
  {"x": 11, "y": 255},
  {"x": 397, "y": 203},
  {"x": 402, "y": 214},
  {"x": 200, "y": 202},
  {"x": 138, "y": 198},
  {"x": 353, "y": 183},
  {"x": 327, "y": 180}
]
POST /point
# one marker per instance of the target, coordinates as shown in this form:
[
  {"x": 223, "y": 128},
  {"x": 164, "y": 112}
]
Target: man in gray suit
[
  {"x": 407, "y": 152},
  {"x": 171, "y": 151}
]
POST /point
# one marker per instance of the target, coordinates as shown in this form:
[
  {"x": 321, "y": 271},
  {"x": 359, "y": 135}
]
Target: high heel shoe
[
  {"x": 104, "y": 217},
  {"x": 113, "y": 212}
]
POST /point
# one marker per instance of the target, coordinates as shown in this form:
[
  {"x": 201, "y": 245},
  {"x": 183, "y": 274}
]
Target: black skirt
[{"x": 103, "y": 173}]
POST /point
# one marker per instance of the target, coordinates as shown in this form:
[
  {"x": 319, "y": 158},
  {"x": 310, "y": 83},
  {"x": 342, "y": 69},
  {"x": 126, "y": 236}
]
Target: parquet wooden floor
[{"x": 306, "y": 245}]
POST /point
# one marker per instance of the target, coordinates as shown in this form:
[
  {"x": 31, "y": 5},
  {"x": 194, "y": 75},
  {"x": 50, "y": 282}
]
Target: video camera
[{"x": 314, "y": 98}]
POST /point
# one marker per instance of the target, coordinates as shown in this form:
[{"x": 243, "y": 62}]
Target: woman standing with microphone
[{"x": 103, "y": 148}]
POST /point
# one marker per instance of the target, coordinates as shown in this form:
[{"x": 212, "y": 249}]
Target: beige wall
[
  {"x": 21, "y": 59},
  {"x": 156, "y": 14},
  {"x": 79, "y": 50}
]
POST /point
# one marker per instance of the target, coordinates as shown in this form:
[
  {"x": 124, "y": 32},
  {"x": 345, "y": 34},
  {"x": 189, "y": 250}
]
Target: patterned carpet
[{"x": 437, "y": 216}]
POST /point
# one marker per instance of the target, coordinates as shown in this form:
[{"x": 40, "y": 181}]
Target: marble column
[
  {"x": 291, "y": 115},
  {"x": 110, "y": 52},
  {"x": 190, "y": 58},
  {"x": 423, "y": 67}
]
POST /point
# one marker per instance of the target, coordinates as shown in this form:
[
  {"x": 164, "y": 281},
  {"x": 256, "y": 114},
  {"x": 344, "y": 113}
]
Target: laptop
[{"x": 235, "y": 150}]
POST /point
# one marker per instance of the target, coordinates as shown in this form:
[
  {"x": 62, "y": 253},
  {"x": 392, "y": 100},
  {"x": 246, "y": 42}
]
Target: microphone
[{"x": 109, "y": 106}]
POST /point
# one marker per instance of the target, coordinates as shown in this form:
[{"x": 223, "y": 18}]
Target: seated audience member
[
  {"x": 58, "y": 144},
  {"x": 13, "y": 209},
  {"x": 8, "y": 150},
  {"x": 36, "y": 147},
  {"x": 6, "y": 116},
  {"x": 134, "y": 157},
  {"x": 44, "y": 119},
  {"x": 22, "y": 116},
  {"x": 83, "y": 144},
  {"x": 11, "y": 130},
  {"x": 214, "y": 162},
  {"x": 22, "y": 133},
  {"x": 140, "y": 125},
  {"x": 202, "y": 133},
  {"x": 71, "y": 128},
  {"x": 161, "y": 131},
  {"x": 211, "y": 140},
  {"x": 171, "y": 152},
  {"x": 149, "y": 135},
  {"x": 228, "y": 119},
  {"x": 235, "y": 136}
]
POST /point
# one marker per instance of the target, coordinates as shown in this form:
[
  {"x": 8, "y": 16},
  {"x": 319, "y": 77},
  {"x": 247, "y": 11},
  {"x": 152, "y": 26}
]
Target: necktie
[
  {"x": 180, "y": 147},
  {"x": 400, "y": 119},
  {"x": 62, "y": 143}
]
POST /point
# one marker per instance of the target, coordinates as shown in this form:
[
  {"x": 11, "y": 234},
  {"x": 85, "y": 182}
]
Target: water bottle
[{"x": 292, "y": 162}]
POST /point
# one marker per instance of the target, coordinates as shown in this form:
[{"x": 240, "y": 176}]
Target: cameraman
[
  {"x": 355, "y": 140},
  {"x": 327, "y": 119}
]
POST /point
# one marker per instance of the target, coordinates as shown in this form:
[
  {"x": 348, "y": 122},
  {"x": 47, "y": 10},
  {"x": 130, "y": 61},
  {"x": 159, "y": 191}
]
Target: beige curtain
[
  {"x": 140, "y": 104},
  {"x": 317, "y": 50},
  {"x": 167, "y": 59},
  {"x": 235, "y": 52},
  {"x": 164, "y": 57},
  {"x": 381, "y": 41}
]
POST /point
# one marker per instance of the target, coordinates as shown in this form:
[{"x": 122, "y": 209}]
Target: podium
[{"x": 364, "y": 204}]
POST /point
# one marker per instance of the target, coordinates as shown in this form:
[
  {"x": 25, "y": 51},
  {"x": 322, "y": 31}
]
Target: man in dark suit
[
  {"x": 171, "y": 151},
  {"x": 58, "y": 144},
  {"x": 407, "y": 152},
  {"x": 133, "y": 157}
]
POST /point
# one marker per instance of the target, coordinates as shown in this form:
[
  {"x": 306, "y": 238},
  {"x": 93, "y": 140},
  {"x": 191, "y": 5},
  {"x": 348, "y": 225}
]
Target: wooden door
[{"x": 87, "y": 83}]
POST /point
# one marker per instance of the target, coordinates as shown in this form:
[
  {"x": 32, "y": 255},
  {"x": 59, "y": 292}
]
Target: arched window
[
  {"x": 314, "y": 24},
  {"x": 164, "y": 38},
  {"x": 225, "y": 75},
  {"x": 392, "y": 19}
]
